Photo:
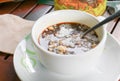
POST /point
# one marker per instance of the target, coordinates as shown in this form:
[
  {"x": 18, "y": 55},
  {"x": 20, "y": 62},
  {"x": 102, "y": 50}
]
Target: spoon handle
[{"x": 115, "y": 15}]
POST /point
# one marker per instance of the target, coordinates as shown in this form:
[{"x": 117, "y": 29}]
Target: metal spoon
[{"x": 115, "y": 15}]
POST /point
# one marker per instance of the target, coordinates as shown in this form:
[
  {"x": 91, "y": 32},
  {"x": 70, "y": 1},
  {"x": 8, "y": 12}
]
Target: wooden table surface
[{"x": 29, "y": 9}]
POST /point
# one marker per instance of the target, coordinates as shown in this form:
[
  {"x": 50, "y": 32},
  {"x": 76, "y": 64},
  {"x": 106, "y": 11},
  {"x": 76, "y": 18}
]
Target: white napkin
[{"x": 12, "y": 30}]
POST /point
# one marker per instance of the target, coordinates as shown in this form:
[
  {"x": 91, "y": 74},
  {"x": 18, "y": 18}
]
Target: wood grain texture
[
  {"x": 6, "y": 8},
  {"x": 7, "y": 72},
  {"x": 38, "y": 12},
  {"x": 3, "y": 1},
  {"x": 25, "y": 8}
]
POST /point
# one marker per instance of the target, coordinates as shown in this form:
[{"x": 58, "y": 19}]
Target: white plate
[{"x": 28, "y": 67}]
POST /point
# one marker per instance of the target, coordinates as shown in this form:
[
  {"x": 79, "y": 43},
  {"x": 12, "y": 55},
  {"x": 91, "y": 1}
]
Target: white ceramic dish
[
  {"x": 71, "y": 64},
  {"x": 28, "y": 68}
]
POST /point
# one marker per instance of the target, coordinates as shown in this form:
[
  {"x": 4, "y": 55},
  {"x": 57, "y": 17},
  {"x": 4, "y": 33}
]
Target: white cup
[{"x": 68, "y": 64}]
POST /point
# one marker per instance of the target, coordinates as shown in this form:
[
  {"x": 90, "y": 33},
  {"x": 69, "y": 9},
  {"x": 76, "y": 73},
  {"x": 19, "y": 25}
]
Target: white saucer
[{"x": 28, "y": 68}]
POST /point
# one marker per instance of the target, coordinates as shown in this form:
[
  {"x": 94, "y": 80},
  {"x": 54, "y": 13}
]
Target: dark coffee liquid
[{"x": 65, "y": 38}]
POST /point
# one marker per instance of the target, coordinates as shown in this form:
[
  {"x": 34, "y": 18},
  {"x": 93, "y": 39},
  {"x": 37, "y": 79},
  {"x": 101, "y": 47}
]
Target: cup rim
[{"x": 54, "y": 54}]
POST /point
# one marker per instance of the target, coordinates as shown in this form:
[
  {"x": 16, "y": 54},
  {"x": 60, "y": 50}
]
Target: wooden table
[{"x": 29, "y": 9}]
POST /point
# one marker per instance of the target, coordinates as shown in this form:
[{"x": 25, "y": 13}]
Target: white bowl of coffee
[{"x": 57, "y": 40}]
